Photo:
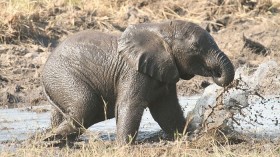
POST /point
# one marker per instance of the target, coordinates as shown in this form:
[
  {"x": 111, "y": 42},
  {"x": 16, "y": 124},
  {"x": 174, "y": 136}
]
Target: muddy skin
[{"x": 93, "y": 76}]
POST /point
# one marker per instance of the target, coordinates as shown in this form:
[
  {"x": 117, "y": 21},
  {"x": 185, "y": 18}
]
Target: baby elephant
[{"x": 94, "y": 76}]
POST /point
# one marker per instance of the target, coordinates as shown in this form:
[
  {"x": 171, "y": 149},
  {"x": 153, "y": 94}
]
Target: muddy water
[
  {"x": 260, "y": 120},
  {"x": 240, "y": 106},
  {"x": 20, "y": 123}
]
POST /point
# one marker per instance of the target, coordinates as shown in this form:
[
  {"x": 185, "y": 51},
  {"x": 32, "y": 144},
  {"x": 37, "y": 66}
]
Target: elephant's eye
[
  {"x": 196, "y": 48},
  {"x": 196, "y": 45}
]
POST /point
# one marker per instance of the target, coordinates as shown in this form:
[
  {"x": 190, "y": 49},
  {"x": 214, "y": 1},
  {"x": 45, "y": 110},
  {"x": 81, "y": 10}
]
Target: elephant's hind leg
[
  {"x": 79, "y": 107},
  {"x": 56, "y": 118}
]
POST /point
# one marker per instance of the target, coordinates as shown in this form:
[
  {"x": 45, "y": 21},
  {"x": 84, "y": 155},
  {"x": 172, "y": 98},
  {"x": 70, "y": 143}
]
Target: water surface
[{"x": 20, "y": 123}]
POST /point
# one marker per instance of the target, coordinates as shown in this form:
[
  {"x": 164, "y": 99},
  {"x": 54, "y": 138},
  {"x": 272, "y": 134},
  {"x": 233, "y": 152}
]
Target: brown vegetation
[{"x": 210, "y": 145}]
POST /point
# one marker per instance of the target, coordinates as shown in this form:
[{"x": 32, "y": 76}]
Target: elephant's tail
[
  {"x": 66, "y": 117},
  {"x": 53, "y": 103}
]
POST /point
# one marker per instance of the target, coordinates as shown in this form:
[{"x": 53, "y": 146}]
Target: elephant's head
[{"x": 172, "y": 50}]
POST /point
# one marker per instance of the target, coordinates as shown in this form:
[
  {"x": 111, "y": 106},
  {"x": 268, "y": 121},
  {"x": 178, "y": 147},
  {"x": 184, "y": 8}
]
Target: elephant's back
[
  {"x": 91, "y": 38},
  {"x": 89, "y": 44},
  {"x": 88, "y": 56},
  {"x": 84, "y": 49}
]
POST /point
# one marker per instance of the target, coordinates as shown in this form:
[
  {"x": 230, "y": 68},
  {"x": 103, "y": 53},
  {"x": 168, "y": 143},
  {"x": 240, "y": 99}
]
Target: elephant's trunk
[{"x": 223, "y": 75}]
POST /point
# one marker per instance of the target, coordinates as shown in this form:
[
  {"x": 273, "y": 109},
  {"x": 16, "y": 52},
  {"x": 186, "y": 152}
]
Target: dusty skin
[{"x": 29, "y": 30}]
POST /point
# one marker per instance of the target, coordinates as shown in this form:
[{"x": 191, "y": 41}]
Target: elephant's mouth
[
  {"x": 187, "y": 76},
  {"x": 217, "y": 73}
]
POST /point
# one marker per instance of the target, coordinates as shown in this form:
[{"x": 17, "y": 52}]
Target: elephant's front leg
[
  {"x": 129, "y": 112},
  {"x": 134, "y": 94},
  {"x": 167, "y": 112}
]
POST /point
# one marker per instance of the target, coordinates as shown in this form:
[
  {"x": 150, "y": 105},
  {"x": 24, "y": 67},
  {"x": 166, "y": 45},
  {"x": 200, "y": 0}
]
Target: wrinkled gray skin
[{"x": 93, "y": 76}]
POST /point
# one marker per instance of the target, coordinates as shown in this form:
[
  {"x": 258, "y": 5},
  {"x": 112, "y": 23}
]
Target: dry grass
[
  {"x": 206, "y": 147},
  {"x": 42, "y": 21}
]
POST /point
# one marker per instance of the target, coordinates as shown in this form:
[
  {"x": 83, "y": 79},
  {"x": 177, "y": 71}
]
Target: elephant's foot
[
  {"x": 60, "y": 141},
  {"x": 64, "y": 134}
]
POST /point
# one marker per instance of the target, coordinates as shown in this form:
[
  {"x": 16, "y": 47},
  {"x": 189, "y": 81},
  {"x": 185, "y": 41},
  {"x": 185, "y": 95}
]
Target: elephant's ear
[{"x": 148, "y": 53}]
